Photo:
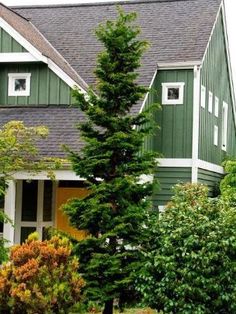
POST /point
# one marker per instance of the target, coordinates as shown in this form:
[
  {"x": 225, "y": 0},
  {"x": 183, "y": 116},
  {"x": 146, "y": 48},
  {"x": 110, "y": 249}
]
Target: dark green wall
[
  {"x": 8, "y": 44},
  {"x": 174, "y": 138},
  {"x": 167, "y": 178},
  {"x": 215, "y": 77},
  {"x": 211, "y": 179},
  {"x": 46, "y": 87}
]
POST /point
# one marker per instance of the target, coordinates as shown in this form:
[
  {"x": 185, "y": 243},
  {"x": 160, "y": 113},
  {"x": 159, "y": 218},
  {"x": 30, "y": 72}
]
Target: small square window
[
  {"x": 19, "y": 84},
  {"x": 216, "y": 107},
  {"x": 203, "y": 96},
  {"x": 172, "y": 93},
  {"x": 210, "y": 102}
]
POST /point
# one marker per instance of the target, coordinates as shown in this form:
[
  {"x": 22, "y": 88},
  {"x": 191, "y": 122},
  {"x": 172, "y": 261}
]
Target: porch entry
[
  {"x": 34, "y": 208},
  {"x": 38, "y": 206}
]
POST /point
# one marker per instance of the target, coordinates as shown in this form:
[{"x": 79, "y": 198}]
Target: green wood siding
[
  {"x": 215, "y": 77},
  {"x": 212, "y": 179},
  {"x": 167, "y": 178},
  {"x": 9, "y": 44},
  {"x": 46, "y": 87},
  {"x": 174, "y": 138}
]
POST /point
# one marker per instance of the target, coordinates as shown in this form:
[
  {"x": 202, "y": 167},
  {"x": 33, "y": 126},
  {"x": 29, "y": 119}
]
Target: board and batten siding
[
  {"x": 9, "y": 44},
  {"x": 46, "y": 87},
  {"x": 215, "y": 78},
  {"x": 211, "y": 179},
  {"x": 173, "y": 139},
  {"x": 167, "y": 178}
]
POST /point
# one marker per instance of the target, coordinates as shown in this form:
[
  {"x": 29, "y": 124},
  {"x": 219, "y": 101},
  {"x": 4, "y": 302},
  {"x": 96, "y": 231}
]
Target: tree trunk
[{"x": 108, "y": 309}]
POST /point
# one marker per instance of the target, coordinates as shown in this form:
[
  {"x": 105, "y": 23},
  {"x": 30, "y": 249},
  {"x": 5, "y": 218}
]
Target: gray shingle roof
[
  {"x": 178, "y": 30},
  {"x": 61, "y": 122},
  {"x": 33, "y": 35}
]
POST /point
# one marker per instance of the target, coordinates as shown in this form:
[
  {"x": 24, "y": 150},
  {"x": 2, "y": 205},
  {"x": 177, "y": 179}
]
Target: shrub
[
  {"x": 228, "y": 184},
  {"x": 190, "y": 267},
  {"x": 41, "y": 277}
]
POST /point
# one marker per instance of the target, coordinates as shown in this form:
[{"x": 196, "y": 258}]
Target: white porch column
[{"x": 10, "y": 211}]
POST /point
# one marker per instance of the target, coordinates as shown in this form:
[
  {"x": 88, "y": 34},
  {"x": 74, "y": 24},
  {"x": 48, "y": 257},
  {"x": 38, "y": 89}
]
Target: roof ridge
[{"x": 108, "y": 3}]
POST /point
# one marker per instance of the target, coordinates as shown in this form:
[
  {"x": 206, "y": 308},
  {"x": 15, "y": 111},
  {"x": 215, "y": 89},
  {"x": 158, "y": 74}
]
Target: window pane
[
  {"x": 25, "y": 232},
  {"x": 29, "y": 201},
  {"x": 20, "y": 84},
  {"x": 47, "y": 201},
  {"x": 173, "y": 93}
]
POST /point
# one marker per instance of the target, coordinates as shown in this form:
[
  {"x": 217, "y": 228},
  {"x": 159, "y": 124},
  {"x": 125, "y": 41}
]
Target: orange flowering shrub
[{"x": 41, "y": 277}]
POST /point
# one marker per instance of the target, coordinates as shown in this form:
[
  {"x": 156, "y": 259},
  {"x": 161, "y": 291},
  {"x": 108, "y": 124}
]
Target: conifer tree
[{"x": 115, "y": 211}]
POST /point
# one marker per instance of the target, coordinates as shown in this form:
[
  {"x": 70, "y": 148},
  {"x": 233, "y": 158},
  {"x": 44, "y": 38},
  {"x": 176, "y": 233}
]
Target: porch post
[{"x": 10, "y": 210}]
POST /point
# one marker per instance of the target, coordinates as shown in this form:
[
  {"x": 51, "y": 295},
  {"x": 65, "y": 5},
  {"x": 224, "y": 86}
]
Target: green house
[{"x": 47, "y": 50}]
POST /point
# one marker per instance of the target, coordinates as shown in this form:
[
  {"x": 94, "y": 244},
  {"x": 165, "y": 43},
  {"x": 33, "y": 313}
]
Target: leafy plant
[
  {"x": 115, "y": 211},
  {"x": 228, "y": 184},
  {"x": 190, "y": 265},
  {"x": 41, "y": 277}
]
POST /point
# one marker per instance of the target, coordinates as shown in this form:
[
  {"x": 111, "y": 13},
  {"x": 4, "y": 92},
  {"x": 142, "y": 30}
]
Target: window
[
  {"x": 210, "y": 102},
  {"x": 172, "y": 93},
  {"x": 216, "y": 135},
  {"x": 224, "y": 125},
  {"x": 217, "y": 107},
  {"x": 19, "y": 84},
  {"x": 203, "y": 96}
]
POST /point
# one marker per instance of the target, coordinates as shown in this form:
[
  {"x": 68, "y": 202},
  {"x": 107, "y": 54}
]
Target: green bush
[
  {"x": 190, "y": 266},
  {"x": 228, "y": 184},
  {"x": 41, "y": 277}
]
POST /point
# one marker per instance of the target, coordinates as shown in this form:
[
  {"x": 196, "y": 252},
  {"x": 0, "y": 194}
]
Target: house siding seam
[{"x": 211, "y": 179}]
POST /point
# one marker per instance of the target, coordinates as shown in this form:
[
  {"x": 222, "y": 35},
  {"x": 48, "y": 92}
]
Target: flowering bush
[{"x": 41, "y": 277}]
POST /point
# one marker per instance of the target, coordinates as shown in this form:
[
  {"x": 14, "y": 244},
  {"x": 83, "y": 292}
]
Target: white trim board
[
  {"x": 146, "y": 96},
  {"x": 60, "y": 175},
  {"x": 210, "y": 167},
  {"x": 38, "y": 55},
  {"x": 196, "y": 122},
  {"x": 17, "y": 57},
  {"x": 178, "y": 65}
]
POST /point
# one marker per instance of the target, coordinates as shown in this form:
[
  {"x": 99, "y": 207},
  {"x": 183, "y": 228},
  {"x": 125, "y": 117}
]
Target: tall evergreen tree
[{"x": 115, "y": 211}]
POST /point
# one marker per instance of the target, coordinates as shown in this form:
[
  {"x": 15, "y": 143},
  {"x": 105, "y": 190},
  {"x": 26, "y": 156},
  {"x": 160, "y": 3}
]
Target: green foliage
[
  {"x": 190, "y": 267},
  {"x": 41, "y": 277},
  {"x": 115, "y": 211},
  {"x": 228, "y": 184},
  {"x": 18, "y": 151}
]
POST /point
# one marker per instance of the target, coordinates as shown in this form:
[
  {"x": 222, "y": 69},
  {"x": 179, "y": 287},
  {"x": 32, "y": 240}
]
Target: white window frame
[
  {"x": 216, "y": 112},
  {"x": 11, "y": 84},
  {"x": 203, "y": 96},
  {"x": 210, "y": 102},
  {"x": 216, "y": 135},
  {"x": 166, "y": 86},
  {"x": 224, "y": 126}
]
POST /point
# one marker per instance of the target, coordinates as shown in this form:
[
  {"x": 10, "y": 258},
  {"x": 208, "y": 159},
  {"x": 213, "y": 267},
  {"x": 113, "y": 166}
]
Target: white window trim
[
  {"x": 224, "y": 126},
  {"x": 216, "y": 135},
  {"x": 165, "y": 86},
  {"x": 12, "y": 77},
  {"x": 210, "y": 102},
  {"x": 203, "y": 96},
  {"x": 216, "y": 107}
]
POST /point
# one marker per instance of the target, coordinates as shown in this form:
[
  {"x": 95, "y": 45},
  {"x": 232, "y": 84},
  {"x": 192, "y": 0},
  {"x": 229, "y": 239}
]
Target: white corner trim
[
  {"x": 178, "y": 65},
  {"x": 210, "y": 167},
  {"x": 196, "y": 122},
  {"x": 146, "y": 96},
  {"x": 22, "y": 41},
  {"x": 17, "y": 57},
  {"x": 174, "y": 162},
  {"x": 10, "y": 210},
  {"x": 62, "y": 175},
  {"x": 38, "y": 55}
]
